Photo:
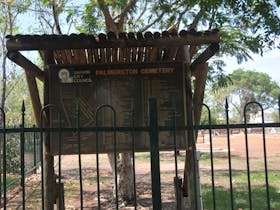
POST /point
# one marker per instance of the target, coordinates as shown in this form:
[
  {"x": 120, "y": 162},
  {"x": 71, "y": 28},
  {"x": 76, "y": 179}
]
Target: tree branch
[
  {"x": 152, "y": 23},
  {"x": 212, "y": 17},
  {"x": 141, "y": 14},
  {"x": 3, "y": 81},
  {"x": 158, "y": 18},
  {"x": 42, "y": 17},
  {"x": 55, "y": 17},
  {"x": 10, "y": 19},
  {"x": 177, "y": 23},
  {"x": 125, "y": 10},
  {"x": 110, "y": 24},
  {"x": 196, "y": 19}
]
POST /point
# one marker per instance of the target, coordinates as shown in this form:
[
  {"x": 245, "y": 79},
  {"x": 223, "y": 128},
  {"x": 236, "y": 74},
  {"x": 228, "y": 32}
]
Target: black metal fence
[
  {"x": 16, "y": 160},
  {"x": 30, "y": 150},
  {"x": 246, "y": 129}
]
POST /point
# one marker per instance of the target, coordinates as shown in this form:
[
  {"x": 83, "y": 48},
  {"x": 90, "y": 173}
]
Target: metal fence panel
[{"x": 30, "y": 151}]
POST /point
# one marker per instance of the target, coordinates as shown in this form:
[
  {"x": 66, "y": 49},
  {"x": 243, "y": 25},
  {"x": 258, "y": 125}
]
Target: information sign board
[{"x": 127, "y": 88}]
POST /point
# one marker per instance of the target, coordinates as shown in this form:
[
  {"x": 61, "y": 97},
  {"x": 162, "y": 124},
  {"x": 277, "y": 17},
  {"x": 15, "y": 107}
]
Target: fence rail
[{"x": 30, "y": 151}]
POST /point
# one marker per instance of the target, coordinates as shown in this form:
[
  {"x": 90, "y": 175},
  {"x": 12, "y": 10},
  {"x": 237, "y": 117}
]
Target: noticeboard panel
[{"x": 124, "y": 87}]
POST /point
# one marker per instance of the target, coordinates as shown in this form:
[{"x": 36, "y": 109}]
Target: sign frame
[{"x": 146, "y": 74}]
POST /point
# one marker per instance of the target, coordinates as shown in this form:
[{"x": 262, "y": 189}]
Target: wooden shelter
[
  {"x": 115, "y": 51},
  {"x": 110, "y": 49}
]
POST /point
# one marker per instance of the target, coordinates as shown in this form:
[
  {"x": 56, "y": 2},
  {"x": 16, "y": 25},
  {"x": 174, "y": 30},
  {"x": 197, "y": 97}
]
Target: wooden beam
[
  {"x": 34, "y": 95},
  {"x": 199, "y": 88},
  {"x": 55, "y": 42},
  {"x": 205, "y": 56},
  {"x": 30, "y": 68}
]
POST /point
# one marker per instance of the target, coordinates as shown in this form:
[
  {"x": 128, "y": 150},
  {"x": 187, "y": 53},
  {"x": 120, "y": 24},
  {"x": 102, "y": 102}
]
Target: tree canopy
[
  {"x": 250, "y": 86},
  {"x": 246, "y": 86},
  {"x": 246, "y": 27}
]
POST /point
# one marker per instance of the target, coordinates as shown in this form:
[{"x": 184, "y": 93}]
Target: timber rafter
[
  {"x": 121, "y": 40},
  {"x": 114, "y": 47},
  {"x": 30, "y": 68}
]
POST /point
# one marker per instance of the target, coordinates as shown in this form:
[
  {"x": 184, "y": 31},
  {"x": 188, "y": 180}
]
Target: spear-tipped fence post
[
  {"x": 279, "y": 106},
  {"x": 22, "y": 148},
  {"x": 3, "y": 116},
  {"x": 247, "y": 157},
  {"x": 229, "y": 153}
]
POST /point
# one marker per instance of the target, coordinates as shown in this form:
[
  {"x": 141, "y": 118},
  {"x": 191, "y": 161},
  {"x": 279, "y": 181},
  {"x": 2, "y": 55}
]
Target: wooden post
[
  {"x": 60, "y": 204},
  {"x": 189, "y": 184},
  {"x": 49, "y": 179}
]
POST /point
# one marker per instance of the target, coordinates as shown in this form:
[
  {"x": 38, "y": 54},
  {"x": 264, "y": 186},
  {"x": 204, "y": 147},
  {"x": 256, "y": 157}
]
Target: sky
[{"x": 268, "y": 63}]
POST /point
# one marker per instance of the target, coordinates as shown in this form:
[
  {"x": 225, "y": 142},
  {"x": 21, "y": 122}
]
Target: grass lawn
[
  {"x": 70, "y": 178},
  {"x": 240, "y": 183},
  {"x": 241, "y": 196}
]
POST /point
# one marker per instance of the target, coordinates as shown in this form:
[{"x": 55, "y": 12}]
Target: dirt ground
[
  {"x": 70, "y": 173},
  {"x": 238, "y": 144}
]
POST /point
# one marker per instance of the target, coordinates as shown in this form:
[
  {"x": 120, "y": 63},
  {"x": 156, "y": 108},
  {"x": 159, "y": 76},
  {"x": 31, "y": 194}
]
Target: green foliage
[
  {"x": 204, "y": 120},
  {"x": 245, "y": 26},
  {"x": 276, "y": 116},
  {"x": 215, "y": 99},
  {"x": 13, "y": 153},
  {"x": 255, "y": 86},
  {"x": 240, "y": 87},
  {"x": 17, "y": 91},
  {"x": 91, "y": 19}
]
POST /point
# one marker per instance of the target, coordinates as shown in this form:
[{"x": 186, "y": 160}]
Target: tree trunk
[
  {"x": 125, "y": 169},
  {"x": 125, "y": 175},
  {"x": 2, "y": 105},
  {"x": 126, "y": 178},
  {"x": 3, "y": 79}
]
